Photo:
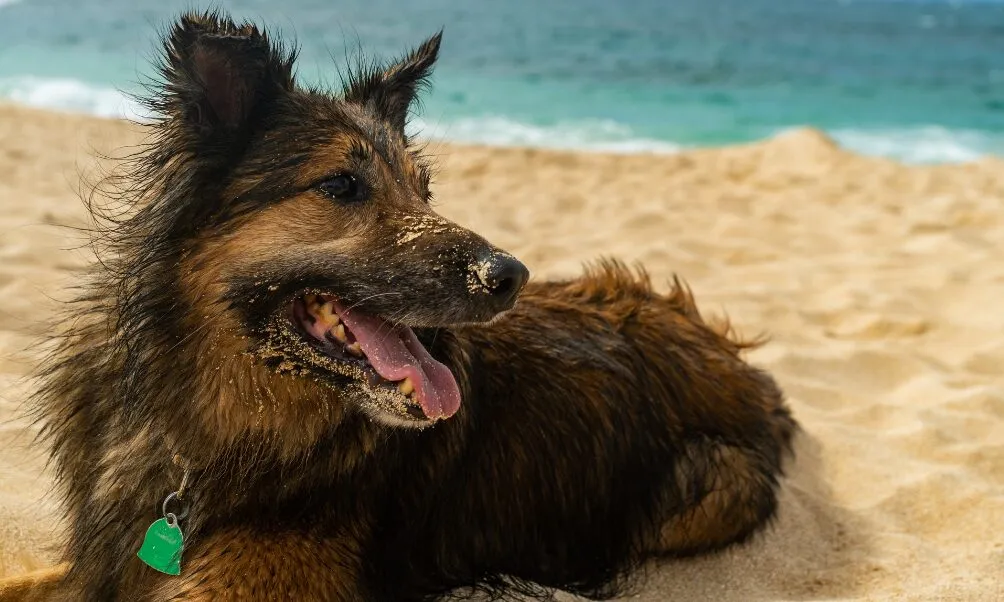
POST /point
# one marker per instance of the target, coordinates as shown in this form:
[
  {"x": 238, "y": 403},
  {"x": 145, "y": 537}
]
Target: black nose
[{"x": 503, "y": 276}]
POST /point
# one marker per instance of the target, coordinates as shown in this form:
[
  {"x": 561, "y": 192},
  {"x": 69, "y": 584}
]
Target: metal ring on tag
[
  {"x": 184, "y": 508},
  {"x": 172, "y": 520}
]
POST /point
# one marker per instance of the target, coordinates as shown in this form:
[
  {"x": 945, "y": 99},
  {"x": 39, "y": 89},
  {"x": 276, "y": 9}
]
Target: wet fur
[{"x": 603, "y": 424}]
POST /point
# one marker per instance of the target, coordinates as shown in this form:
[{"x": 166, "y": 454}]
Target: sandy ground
[{"x": 881, "y": 286}]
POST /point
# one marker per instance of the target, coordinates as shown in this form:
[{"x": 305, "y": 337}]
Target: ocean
[{"x": 921, "y": 81}]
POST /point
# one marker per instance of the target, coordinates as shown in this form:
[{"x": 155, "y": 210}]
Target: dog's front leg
[{"x": 239, "y": 564}]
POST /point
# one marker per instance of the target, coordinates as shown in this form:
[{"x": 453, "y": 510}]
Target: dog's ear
[
  {"x": 390, "y": 92},
  {"x": 220, "y": 76}
]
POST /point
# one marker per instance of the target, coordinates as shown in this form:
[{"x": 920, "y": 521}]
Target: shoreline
[{"x": 647, "y": 146}]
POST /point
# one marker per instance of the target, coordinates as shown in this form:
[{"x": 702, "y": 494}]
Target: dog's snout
[{"x": 503, "y": 276}]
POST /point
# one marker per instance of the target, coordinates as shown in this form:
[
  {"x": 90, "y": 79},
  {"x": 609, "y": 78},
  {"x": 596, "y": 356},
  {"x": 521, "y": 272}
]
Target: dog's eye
[{"x": 343, "y": 187}]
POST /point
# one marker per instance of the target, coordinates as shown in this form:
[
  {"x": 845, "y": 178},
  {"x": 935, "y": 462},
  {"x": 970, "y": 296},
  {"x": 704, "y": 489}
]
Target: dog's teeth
[
  {"x": 355, "y": 349},
  {"x": 327, "y": 314},
  {"x": 406, "y": 386},
  {"x": 339, "y": 332}
]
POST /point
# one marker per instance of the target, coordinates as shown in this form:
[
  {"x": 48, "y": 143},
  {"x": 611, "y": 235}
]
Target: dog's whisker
[
  {"x": 202, "y": 327},
  {"x": 374, "y": 296}
]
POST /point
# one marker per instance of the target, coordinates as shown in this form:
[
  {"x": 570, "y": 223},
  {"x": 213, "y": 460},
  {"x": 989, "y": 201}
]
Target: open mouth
[{"x": 388, "y": 359}]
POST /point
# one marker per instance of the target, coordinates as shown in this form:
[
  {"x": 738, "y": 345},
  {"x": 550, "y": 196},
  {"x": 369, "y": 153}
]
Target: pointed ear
[
  {"x": 390, "y": 92},
  {"x": 219, "y": 76}
]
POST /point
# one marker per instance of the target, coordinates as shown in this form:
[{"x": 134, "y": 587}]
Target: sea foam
[
  {"x": 67, "y": 94},
  {"x": 496, "y": 130},
  {"x": 921, "y": 145}
]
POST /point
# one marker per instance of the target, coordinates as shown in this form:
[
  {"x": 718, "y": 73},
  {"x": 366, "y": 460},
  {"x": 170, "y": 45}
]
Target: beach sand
[{"x": 880, "y": 285}]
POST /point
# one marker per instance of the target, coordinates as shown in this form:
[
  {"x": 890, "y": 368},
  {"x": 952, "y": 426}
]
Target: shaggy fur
[{"x": 602, "y": 423}]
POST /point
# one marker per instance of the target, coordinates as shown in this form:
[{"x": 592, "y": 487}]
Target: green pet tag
[{"x": 162, "y": 546}]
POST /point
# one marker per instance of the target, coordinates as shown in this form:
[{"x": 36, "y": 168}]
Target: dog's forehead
[{"x": 342, "y": 131}]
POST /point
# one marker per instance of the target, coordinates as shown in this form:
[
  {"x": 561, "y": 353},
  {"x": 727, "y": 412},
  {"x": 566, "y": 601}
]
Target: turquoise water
[{"x": 921, "y": 81}]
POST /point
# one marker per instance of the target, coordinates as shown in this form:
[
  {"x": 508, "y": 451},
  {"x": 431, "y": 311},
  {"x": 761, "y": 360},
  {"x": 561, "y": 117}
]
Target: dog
[{"x": 320, "y": 389}]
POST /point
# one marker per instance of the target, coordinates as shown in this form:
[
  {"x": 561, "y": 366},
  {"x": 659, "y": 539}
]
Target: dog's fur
[{"x": 602, "y": 423}]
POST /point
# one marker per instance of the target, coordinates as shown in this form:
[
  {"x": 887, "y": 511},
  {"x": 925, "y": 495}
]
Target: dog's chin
[
  {"x": 381, "y": 404},
  {"x": 380, "y": 368}
]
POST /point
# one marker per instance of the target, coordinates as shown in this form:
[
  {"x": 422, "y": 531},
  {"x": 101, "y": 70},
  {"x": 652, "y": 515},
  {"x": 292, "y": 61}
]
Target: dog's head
[{"x": 309, "y": 245}]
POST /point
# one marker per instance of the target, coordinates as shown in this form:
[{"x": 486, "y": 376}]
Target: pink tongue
[{"x": 395, "y": 353}]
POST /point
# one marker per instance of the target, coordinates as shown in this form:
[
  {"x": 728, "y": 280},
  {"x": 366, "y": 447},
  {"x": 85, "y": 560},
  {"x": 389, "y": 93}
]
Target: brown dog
[{"x": 340, "y": 385}]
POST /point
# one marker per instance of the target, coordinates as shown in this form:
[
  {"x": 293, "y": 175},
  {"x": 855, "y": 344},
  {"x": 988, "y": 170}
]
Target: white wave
[
  {"x": 4, "y": 3},
  {"x": 595, "y": 135},
  {"x": 921, "y": 145},
  {"x": 69, "y": 95}
]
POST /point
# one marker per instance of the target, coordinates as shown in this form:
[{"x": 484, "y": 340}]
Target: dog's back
[{"x": 607, "y": 425}]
